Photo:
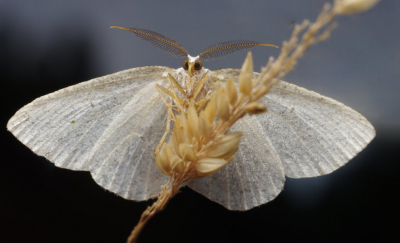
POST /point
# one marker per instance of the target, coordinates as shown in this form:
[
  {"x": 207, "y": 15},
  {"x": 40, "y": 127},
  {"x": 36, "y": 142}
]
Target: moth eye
[
  {"x": 185, "y": 64},
  {"x": 198, "y": 65}
]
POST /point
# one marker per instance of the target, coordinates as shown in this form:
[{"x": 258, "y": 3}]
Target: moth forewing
[
  {"x": 323, "y": 133},
  {"x": 109, "y": 126},
  {"x": 303, "y": 134}
]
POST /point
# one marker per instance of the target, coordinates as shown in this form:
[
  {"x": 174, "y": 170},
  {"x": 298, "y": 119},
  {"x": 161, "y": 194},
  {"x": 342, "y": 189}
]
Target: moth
[{"x": 111, "y": 126}]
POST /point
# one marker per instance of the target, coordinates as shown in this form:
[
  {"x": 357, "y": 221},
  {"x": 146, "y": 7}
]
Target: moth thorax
[
  {"x": 193, "y": 89},
  {"x": 188, "y": 85}
]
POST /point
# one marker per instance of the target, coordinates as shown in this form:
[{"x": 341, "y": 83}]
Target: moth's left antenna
[{"x": 161, "y": 42}]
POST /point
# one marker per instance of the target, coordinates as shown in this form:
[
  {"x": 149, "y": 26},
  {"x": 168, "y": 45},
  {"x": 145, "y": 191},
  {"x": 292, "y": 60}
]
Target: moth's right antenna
[
  {"x": 229, "y": 47},
  {"x": 161, "y": 42}
]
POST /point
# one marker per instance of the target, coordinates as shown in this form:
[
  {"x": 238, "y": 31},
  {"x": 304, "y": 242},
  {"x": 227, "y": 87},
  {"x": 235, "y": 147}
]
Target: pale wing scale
[
  {"x": 313, "y": 134},
  {"x": 66, "y": 125},
  {"x": 254, "y": 177}
]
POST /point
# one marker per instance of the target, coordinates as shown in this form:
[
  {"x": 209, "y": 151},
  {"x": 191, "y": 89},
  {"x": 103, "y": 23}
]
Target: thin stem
[{"x": 166, "y": 194}]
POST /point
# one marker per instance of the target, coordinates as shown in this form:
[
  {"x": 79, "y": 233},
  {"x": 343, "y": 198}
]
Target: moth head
[{"x": 192, "y": 64}]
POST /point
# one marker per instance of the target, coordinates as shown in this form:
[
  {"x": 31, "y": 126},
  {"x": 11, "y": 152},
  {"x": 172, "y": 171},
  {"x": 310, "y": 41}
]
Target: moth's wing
[
  {"x": 109, "y": 126},
  {"x": 256, "y": 175},
  {"x": 313, "y": 134}
]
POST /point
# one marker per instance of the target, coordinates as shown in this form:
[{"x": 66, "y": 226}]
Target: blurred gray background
[{"x": 48, "y": 45}]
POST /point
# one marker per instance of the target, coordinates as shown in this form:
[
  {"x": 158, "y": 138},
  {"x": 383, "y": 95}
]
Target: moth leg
[
  {"x": 170, "y": 117},
  {"x": 200, "y": 85},
  {"x": 178, "y": 86},
  {"x": 201, "y": 103},
  {"x": 173, "y": 96}
]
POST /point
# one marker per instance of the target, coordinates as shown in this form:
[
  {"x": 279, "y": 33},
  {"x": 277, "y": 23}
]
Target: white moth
[{"x": 111, "y": 125}]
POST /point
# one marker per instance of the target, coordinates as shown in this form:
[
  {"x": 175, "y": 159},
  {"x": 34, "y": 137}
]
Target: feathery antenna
[
  {"x": 161, "y": 42},
  {"x": 229, "y": 47}
]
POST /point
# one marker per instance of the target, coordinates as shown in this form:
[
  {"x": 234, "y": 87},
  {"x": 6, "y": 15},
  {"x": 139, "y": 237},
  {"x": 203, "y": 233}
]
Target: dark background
[{"x": 48, "y": 45}]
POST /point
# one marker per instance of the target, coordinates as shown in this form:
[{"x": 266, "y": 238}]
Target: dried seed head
[
  {"x": 347, "y": 7},
  {"x": 223, "y": 105},
  {"x": 187, "y": 151},
  {"x": 169, "y": 148},
  {"x": 191, "y": 142},
  {"x": 161, "y": 165},
  {"x": 179, "y": 135},
  {"x": 218, "y": 155},
  {"x": 163, "y": 159},
  {"x": 225, "y": 147},
  {"x": 211, "y": 109},
  {"x": 177, "y": 164},
  {"x": 193, "y": 121},
  {"x": 254, "y": 108},
  {"x": 232, "y": 91},
  {"x": 246, "y": 75},
  {"x": 262, "y": 90},
  {"x": 208, "y": 166},
  {"x": 204, "y": 125},
  {"x": 184, "y": 133}
]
